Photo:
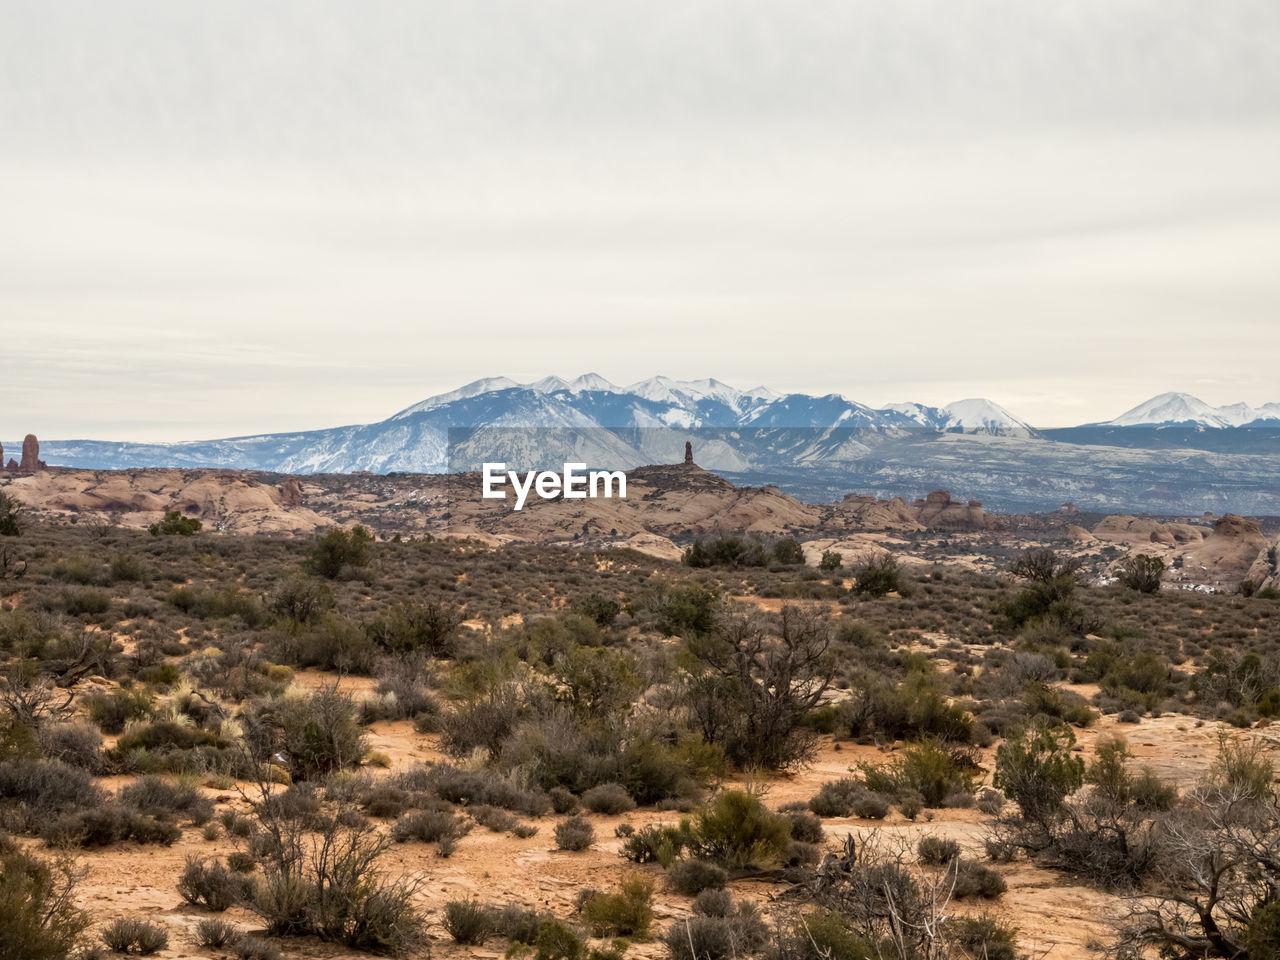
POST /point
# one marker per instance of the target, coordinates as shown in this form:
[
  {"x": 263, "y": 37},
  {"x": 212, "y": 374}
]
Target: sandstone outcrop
[
  {"x": 1228, "y": 555},
  {"x": 1143, "y": 531},
  {"x": 938, "y": 511},
  {"x": 31, "y": 461},
  {"x": 291, "y": 492}
]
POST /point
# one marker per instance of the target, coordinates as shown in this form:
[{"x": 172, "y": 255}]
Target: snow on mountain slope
[
  {"x": 978, "y": 415},
  {"x": 1182, "y": 409},
  {"x": 417, "y": 439}
]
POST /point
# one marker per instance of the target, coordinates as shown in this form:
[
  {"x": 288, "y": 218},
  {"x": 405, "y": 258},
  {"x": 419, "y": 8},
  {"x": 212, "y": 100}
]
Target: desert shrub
[
  {"x": 11, "y": 519},
  {"x": 738, "y": 831},
  {"x": 44, "y": 788},
  {"x": 713, "y": 903},
  {"x": 493, "y": 818},
  {"x": 337, "y": 551},
  {"x": 737, "y": 934},
  {"x": 609, "y": 799},
  {"x": 656, "y": 843},
  {"x": 77, "y": 743},
  {"x": 471, "y": 786},
  {"x": 877, "y": 574},
  {"x": 685, "y": 609},
  {"x": 209, "y": 885},
  {"x": 847, "y": 798},
  {"x": 937, "y": 850},
  {"x": 518, "y": 924},
  {"x": 1141, "y": 572},
  {"x": 105, "y": 824},
  {"x": 128, "y": 568},
  {"x": 975, "y": 880},
  {"x": 574, "y": 833},
  {"x": 929, "y": 769},
  {"x": 329, "y": 886},
  {"x": 788, "y": 552},
  {"x": 557, "y": 940},
  {"x": 563, "y": 800},
  {"x": 627, "y": 913},
  {"x": 38, "y": 916},
  {"x": 429, "y": 826},
  {"x": 318, "y": 734},
  {"x": 806, "y": 827},
  {"x": 175, "y": 524},
  {"x": 133, "y": 935},
  {"x": 428, "y": 627},
  {"x": 301, "y": 599},
  {"x": 983, "y": 937},
  {"x": 1065, "y": 705},
  {"x": 1037, "y": 771},
  {"x": 152, "y": 793},
  {"x": 599, "y": 608},
  {"x": 831, "y": 561},
  {"x": 754, "y": 685},
  {"x": 212, "y": 933},
  {"x": 824, "y": 935},
  {"x": 85, "y": 601},
  {"x": 691, "y": 877},
  {"x": 914, "y": 709},
  {"x": 469, "y": 922},
  {"x": 248, "y": 947},
  {"x": 990, "y": 801}
]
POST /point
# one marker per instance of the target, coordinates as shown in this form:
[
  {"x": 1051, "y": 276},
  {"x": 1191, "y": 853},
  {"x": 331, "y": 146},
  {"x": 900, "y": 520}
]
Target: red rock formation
[
  {"x": 688, "y": 453},
  {"x": 291, "y": 493},
  {"x": 939, "y": 512},
  {"x": 31, "y": 461},
  {"x": 12, "y": 465}
]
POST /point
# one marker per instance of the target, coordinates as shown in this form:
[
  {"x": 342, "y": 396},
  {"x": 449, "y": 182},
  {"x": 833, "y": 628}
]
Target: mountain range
[{"x": 1173, "y": 453}]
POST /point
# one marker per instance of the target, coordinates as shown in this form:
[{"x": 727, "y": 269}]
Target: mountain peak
[
  {"x": 1183, "y": 409},
  {"x": 980, "y": 415}
]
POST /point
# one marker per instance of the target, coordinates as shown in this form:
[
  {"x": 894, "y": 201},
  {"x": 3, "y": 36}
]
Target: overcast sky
[{"x": 230, "y": 217}]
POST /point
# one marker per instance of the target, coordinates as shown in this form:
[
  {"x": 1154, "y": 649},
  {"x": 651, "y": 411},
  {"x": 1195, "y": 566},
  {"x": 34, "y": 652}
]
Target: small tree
[
  {"x": 175, "y": 524},
  {"x": 753, "y": 689},
  {"x": 877, "y": 574},
  {"x": 1037, "y": 771},
  {"x": 38, "y": 916},
  {"x": 831, "y": 561},
  {"x": 1141, "y": 572},
  {"x": 788, "y": 552},
  {"x": 10, "y": 516},
  {"x": 337, "y": 549},
  {"x": 1043, "y": 565}
]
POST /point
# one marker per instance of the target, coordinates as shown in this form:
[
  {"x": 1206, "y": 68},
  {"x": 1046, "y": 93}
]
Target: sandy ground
[{"x": 1053, "y": 917}]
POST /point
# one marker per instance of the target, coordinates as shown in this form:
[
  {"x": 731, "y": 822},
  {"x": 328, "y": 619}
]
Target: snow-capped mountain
[
  {"x": 975, "y": 415},
  {"x": 417, "y": 438},
  {"x": 1184, "y": 410}
]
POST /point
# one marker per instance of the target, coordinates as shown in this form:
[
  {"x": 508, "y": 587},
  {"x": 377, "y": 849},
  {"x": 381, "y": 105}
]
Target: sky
[{"x": 231, "y": 217}]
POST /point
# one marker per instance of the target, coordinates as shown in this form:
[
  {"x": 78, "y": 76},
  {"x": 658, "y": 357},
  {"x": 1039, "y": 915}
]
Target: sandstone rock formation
[
  {"x": 31, "y": 461},
  {"x": 1078, "y": 534},
  {"x": 291, "y": 493},
  {"x": 1227, "y": 556},
  {"x": 939, "y": 512},
  {"x": 859, "y": 511},
  {"x": 688, "y": 453},
  {"x": 1143, "y": 531}
]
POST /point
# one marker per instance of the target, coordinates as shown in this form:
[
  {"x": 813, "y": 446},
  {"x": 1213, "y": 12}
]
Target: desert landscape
[{"x": 257, "y": 716}]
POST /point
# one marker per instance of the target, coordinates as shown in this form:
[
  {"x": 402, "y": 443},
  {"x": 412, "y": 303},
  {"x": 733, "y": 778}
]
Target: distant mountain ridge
[
  {"x": 813, "y": 446},
  {"x": 1184, "y": 410}
]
